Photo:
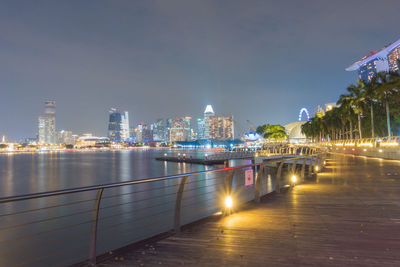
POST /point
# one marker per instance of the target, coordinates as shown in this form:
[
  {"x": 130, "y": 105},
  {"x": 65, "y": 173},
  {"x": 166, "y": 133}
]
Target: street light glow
[
  {"x": 228, "y": 202},
  {"x": 294, "y": 178}
]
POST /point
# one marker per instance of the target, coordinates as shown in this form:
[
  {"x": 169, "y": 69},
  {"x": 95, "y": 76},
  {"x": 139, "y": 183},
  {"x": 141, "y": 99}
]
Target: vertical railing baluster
[
  {"x": 178, "y": 204},
  {"x": 93, "y": 237},
  {"x": 310, "y": 167},
  {"x": 303, "y": 169},
  {"x": 278, "y": 178},
  {"x": 258, "y": 178}
]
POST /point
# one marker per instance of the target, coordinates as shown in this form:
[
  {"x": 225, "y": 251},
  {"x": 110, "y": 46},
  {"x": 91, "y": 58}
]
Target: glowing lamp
[
  {"x": 228, "y": 202},
  {"x": 316, "y": 168},
  {"x": 294, "y": 178}
]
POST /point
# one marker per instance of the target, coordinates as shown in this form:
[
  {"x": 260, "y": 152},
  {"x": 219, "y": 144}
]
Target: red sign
[{"x": 248, "y": 178}]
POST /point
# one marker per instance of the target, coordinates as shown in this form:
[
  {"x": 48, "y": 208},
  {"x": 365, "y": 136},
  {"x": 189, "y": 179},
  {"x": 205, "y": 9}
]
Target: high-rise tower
[
  {"x": 208, "y": 114},
  {"x": 47, "y": 124}
]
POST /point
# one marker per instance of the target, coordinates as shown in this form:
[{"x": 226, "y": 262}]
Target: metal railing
[
  {"x": 389, "y": 142},
  {"x": 43, "y": 228}
]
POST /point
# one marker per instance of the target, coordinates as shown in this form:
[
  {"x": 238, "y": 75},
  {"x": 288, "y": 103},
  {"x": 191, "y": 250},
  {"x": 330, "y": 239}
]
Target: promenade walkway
[{"x": 348, "y": 216}]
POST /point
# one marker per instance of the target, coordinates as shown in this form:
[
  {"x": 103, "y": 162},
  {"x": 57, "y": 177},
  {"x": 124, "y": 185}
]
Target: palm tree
[
  {"x": 369, "y": 95},
  {"x": 388, "y": 85},
  {"x": 346, "y": 109}
]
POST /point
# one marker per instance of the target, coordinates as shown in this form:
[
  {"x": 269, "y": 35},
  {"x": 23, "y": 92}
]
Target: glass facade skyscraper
[
  {"x": 47, "y": 124},
  {"x": 118, "y": 125}
]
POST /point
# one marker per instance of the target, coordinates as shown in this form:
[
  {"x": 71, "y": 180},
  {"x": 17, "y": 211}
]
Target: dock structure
[{"x": 348, "y": 216}]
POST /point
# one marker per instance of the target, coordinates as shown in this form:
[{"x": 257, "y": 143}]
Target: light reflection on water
[{"x": 128, "y": 213}]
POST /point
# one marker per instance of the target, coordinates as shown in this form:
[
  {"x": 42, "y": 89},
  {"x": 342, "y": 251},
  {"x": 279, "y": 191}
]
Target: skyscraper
[
  {"x": 208, "y": 113},
  {"x": 114, "y": 125},
  {"x": 221, "y": 128},
  {"x": 47, "y": 124},
  {"x": 200, "y": 128},
  {"x": 125, "y": 126},
  {"x": 118, "y": 125},
  {"x": 42, "y": 130}
]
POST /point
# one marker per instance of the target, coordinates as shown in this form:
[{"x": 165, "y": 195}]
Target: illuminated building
[
  {"x": 208, "y": 113},
  {"x": 47, "y": 124},
  {"x": 42, "y": 130},
  {"x": 125, "y": 126},
  {"x": 159, "y": 130},
  {"x": 200, "y": 128},
  {"x": 221, "y": 128},
  {"x": 50, "y": 113},
  {"x": 65, "y": 137},
  {"x": 114, "y": 125},
  {"x": 377, "y": 61},
  {"x": 92, "y": 142},
  {"x": 180, "y": 129},
  {"x": 118, "y": 126},
  {"x": 393, "y": 57}
]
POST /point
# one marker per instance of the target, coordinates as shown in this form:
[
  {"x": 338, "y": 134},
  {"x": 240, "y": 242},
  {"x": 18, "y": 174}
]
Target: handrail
[{"x": 119, "y": 184}]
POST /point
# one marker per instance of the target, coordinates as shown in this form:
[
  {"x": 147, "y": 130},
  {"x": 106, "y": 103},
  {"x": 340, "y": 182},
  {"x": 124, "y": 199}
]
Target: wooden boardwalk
[{"x": 349, "y": 216}]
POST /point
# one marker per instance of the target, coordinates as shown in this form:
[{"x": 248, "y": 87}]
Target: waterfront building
[
  {"x": 377, "y": 61},
  {"x": 114, "y": 125},
  {"x": 92, "y": 142},
  {"x": 42, "y": 130},
  {"x": 50, "y": 113},
  {"x": 65, "y": 137},
  {"x": 125, "y": 135},
  {"x": 47, "y": 124},
  {"x": 159, "y": 134},
  {"x": 208, "y": 113},
  {"x": 118, "y": 125},
  {"x": 200, "y": 128},
  {"x": 181, "y": 129},
  {"x": 221, "y": 128}
]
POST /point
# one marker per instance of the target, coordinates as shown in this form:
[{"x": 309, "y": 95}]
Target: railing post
[
  {"x": 259, "y": 174},
  {"x": 178, "y": 204},
  {"x": 93, "y": 236},
  {"x": 310, "y": 167},
  {"x": 303, "y": 169},
  {"x": 294, "y": 164},
  {"x": 278, "y": 178}
]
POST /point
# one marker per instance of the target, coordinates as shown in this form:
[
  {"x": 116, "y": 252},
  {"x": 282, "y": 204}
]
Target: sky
[{"x": 257, "y": 60}]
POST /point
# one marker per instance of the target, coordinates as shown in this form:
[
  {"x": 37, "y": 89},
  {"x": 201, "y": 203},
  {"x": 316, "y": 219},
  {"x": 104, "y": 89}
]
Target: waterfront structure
[
  {"x": 208, "y": 113},
  {"x": 89, "y": 141},
  {"x": 200, "y": 128},
  {"x": 47, "y": 124},
  {"x": 377, "y": 61},
  {"x": 118, "y": 125},
  {"x": 65, "y": 137},
  {"x": 159, "y": 131},
  {"x": 221, "y": 128},
  {"x": 180, "y": 129},
  {"x": 125, "y": 135}
]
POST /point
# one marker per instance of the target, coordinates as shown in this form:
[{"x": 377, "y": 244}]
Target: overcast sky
[{"x": 258, "y": 60}]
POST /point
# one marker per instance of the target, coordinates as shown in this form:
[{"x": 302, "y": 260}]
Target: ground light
[
  {"x": 316, "y": 168},
  {"x": 228, "y": 202},
  {"x": 294, "y": 179}
]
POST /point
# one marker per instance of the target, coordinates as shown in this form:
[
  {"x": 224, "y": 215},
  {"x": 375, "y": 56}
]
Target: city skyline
[{"x": 248, "y": 59}]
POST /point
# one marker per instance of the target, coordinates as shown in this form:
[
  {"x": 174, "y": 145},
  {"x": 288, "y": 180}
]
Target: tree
[
  {"x": 276, "y": 132},
  {"x": 388, "y": 86}
]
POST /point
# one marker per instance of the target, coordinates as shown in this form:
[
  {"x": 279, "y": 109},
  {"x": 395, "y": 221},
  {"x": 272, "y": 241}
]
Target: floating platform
[{"x": 193, "y": 160}]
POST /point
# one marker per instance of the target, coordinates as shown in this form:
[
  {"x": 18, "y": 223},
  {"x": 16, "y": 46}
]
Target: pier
[{"x": 348, "y": 216}]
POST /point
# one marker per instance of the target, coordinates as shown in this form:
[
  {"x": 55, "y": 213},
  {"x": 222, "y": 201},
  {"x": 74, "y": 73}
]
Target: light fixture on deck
[
  {"x": 228, "y": 202},
  {"x": 293, "y": 179}
]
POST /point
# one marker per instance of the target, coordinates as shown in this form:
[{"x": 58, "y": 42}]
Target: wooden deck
[{"x": 350, "y": 216}]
